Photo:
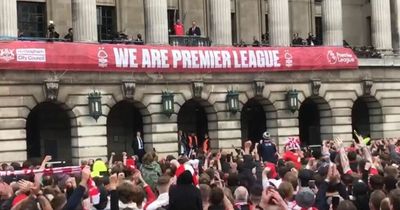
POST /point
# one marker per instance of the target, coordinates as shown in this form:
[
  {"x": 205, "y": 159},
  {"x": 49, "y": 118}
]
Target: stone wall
[{"x": 21, "y": 91}]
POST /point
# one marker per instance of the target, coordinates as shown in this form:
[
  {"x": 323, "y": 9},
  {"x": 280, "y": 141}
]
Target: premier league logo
[{"x": 332, "y": 58}]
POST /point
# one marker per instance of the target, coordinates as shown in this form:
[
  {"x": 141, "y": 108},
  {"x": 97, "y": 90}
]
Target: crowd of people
[{"x": 257, "y": 176}]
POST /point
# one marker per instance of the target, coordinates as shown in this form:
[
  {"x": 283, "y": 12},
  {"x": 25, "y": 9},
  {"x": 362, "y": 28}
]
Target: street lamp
[
  {"x": 232, "y": 100},
  {"x": 95, "y": 109},
  {"x": 293, "y": 100},
  {"x": 167, "y": 100}
]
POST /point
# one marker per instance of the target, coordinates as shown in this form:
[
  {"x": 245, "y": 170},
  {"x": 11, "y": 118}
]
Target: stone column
[
  {"x": 279, "y": 25},
  {"x": 332, "y": 22},
  {"x": 156, "y": 22},
  {"x": 395, "y": 8},
  {"x": 381, "y": 26},
  {"x": 221, "y": 26},
  {"x": 84, "y": 20},
  {"x": 8, "y": 18}
]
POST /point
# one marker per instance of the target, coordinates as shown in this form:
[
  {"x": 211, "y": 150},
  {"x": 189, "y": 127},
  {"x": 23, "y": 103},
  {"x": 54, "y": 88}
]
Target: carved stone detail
[
  {"x": 315, "y": 86},
  {"x": 128, "y": 89},
  {"x": 51, "y": 88},
  {"x": 197, "y": 88},
  {"x": 367, "y": 86},
  {"x": 259, "y": 86}
]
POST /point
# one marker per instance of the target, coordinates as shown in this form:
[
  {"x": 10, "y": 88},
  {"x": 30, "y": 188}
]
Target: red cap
[
  {"x": 272, "y": 173},
  {"x": 130, "y": 163}
]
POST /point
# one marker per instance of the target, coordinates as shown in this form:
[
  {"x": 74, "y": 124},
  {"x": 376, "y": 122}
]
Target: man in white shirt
[
  {"x": 163, "y": 184},
  {"x": 138, "y": 146}
]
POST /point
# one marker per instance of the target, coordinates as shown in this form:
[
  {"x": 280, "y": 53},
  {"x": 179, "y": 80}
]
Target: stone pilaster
[
  {"x": 279, "y": 25},
  {"x": 381, "y": 26},
  {"x": 221, "y": 26},
  {"x": 8, "y": 18},
  {"x": 332, "y": 22},
  {"x": 84, "y": 20},
  {"x": 156, "y": 22}
]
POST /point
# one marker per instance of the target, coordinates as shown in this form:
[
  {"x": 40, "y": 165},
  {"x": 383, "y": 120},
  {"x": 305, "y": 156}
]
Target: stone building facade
[{"x": 39, "y": 116}]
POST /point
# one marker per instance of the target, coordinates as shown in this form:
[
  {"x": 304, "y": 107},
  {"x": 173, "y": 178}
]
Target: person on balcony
[
  {"x": 194, "y": 30},
  {"x": 139, "y": 39},
  {"x": 51, "y": 31},
  {"x": 311, "y": 41},
  {"x": 256, "y": 43},
  {"x": 297, "y": 40},
  {"x": 70, "y": 36},
  {"x": 179, "y": 28}
]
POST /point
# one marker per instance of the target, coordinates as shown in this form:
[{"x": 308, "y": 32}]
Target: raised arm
[
  {"x": 392, "y": 151},
  {"x": 218, "y": 159},
  {"x": 364, "y": 148},
  {"x": 256, "y": 156},
  {"x": 344, "y": 161},
  {"x": 111, "y": 160},
  {"x": 38, "y": 176},
  {"x": 124, "y": 157},
  {"x": 78, "y": 193}
]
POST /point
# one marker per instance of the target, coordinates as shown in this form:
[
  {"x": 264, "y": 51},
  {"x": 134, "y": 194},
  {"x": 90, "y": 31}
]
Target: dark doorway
[
  {"x": 234, "y": 28},
  {"x": 173, "y": 16},
  {"x": 253, "y": 121},
  {"x": 48, "y": 132},
  {"x": 123, "y": 121},
  {"x": 318, "y": 30},
  {"x": 309, "y": 123},
  {"x": 360, "y": 118},
  {"x": 369, "y": 31},
  {"x": 192, "y": 118}
]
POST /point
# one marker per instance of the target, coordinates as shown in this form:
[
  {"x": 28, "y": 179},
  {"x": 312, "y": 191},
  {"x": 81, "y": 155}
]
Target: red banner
[{"x": 62, "y": 56}]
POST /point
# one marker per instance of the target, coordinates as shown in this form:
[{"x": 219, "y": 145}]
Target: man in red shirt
[{"x": 179, "y": 28}]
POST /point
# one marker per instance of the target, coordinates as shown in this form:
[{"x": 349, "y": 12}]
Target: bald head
[{"x": 241, "y": 194}]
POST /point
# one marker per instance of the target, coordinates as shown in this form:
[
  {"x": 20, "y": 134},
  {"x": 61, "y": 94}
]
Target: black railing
[
  {"x": 366, "y": 52},
  {"x": 122, "y": 42},
  {"x": 361, "y": 52},
  {"x": 193, "y": 41},
  {"x": 23, "y": 38}
]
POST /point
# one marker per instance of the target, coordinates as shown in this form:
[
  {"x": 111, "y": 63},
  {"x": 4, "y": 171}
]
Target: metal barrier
[
  {"x": 366, "y": 52},
  {"x": 8, "y": 38},
  {"x": 116, "y": 41},
  {"x": 193, "y": 41}
]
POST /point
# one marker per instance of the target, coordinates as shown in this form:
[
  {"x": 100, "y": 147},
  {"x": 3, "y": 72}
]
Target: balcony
[
  {"x": 121, "y": 41},
  {"x": 191, "y": 41},
  {"x": 366, "y": 52}
]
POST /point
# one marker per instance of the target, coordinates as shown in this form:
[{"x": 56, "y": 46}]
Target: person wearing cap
[{"x": 267, "y": 149}]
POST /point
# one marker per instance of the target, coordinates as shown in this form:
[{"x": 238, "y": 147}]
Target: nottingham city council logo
[{"x": 7, "y": 55}]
